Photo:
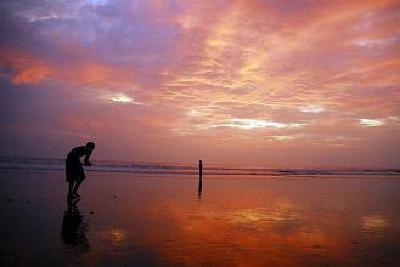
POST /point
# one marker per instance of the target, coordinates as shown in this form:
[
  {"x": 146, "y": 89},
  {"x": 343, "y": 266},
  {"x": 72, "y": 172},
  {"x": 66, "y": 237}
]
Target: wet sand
[{"x": 136, "y": 220}]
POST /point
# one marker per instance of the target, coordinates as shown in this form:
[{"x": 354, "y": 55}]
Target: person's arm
[{"x": 86, "y": 161}]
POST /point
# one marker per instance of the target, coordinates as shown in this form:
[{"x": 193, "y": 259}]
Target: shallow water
[{"x": 130, "y": 220}]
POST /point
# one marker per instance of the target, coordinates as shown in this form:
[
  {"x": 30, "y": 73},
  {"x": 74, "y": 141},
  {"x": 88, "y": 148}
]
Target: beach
[
  {"x": 125, "y": 219},
  {"x": 239, "y": 133}
]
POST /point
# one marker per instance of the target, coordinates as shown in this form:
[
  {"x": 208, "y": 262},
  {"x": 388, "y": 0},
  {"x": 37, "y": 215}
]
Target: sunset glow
[
  {"x": 271, "y": 83},
  {"x": 121, "y": 98},
  {"x": 372, "y": 123}
]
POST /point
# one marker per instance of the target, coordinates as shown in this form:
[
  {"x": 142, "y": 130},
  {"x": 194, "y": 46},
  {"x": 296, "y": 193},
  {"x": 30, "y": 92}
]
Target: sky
[{"x": 275, "y": 83}]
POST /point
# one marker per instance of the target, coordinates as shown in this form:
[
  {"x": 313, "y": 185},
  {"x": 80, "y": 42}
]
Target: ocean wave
[{"x": 180, "y": 169}]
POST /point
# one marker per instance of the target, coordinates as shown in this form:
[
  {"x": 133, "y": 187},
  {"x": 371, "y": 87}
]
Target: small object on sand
[
  {"x": 9, "y": 199},
  {"x": 91, "y": 212},
  {"x": 28, "y": 202},
  {"x": 114, "y": 196}
]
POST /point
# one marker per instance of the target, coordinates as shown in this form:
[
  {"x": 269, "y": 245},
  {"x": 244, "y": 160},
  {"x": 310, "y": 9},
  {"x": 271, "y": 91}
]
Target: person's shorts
[{"x": 74, "y": 171}]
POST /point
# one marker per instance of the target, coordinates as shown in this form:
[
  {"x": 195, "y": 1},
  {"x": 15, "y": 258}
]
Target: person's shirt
[{"x": 78, "y": 152}]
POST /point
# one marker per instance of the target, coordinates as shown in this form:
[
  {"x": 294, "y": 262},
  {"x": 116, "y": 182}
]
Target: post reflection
[
  {"x": 74, "y": 228},
  {"x": 199, "y": 188}
]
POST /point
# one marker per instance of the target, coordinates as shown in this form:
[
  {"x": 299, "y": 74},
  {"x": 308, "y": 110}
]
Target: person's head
[{"x": 90, "y": 146}]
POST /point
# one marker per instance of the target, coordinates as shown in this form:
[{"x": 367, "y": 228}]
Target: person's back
[
  {"x": 77, "y": 152},
  {"x": 75, "y": 173}
]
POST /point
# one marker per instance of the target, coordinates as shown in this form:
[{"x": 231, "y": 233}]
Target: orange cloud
[
  {"x": 28, "y": 69},
  {"x": 32, "y": 74}
]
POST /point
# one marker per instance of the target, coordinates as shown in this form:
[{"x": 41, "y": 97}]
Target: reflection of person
[
  {"x": 74, "y": 170},
  {"x": 73, "y": 231}
]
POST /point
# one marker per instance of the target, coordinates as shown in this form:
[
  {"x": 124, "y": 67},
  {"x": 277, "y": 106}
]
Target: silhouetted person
[
  {"x": 74, "y": 170},
  {"x": 73, "y": 230},
  {"x": 200, "y": 169}
]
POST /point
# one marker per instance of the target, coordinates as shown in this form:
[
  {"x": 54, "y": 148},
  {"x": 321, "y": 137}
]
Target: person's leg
[
  {"x": 80, "y": 177},
  {"x": 75, "y": 189},
  {"x": 70, "y": 187}
]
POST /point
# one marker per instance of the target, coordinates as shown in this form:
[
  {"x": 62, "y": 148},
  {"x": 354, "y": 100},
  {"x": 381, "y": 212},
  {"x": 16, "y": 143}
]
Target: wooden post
[
  {"x": 200, "y": 169},
  {"x": 200, "y": 186}
]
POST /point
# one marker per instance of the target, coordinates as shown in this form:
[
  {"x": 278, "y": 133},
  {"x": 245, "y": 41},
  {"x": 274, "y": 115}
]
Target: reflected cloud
[
  {"x": 280, "y": 221},
  {"x": 262, "y": 216},
  {"x": 114, "y": 237},
  {"x": 223, "y": 230},
  {"x": 374, "y": 222},
  {"x": 117, "y": 235}
]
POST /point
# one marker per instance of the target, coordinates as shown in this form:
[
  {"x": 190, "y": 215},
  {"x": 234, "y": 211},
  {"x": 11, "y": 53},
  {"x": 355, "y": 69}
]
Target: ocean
[{"x": 185, "y": 169}]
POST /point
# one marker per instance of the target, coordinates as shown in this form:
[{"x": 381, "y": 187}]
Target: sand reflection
[
  {"x": 246, "y": 222},
  {"x": 266, "y": 235},
  {"x": 114, "y": 237},
  {"x": 374, "y": 222}
]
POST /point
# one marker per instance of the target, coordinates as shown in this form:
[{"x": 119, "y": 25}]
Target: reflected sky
[{"x": 238, "y": 221}]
